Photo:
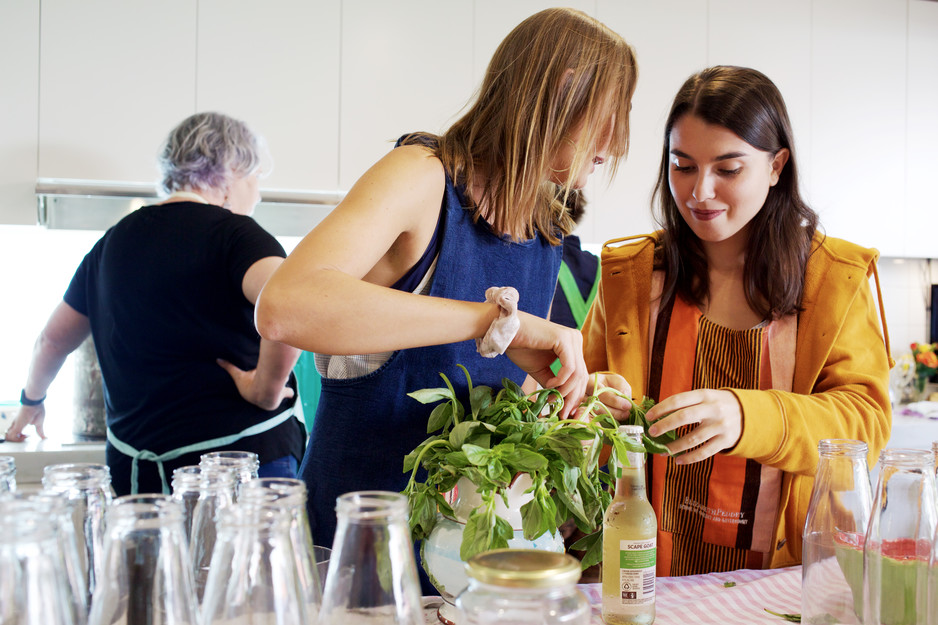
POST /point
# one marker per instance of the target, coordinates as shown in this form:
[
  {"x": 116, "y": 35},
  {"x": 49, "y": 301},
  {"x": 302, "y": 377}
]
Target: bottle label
[{"x": 637, "y": 571}]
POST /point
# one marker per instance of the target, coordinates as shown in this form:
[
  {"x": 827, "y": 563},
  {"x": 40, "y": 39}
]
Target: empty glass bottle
[
  {"x": 243, "y": 463},
  {"x": 34, "y": 588},
  {"x": 372, "y": 573},
  {"x": 522, "y": 586},
  {"x": 832, "y": 556},
  {"x": 87, "y": 488},
  {"x": 145, "y": 575},
  {"x": 899, "y": 539},
  {"x": 7, "y": 474},
  {"x": 216, "y": 491},
  {"x": 54, "y": 508},
  {"x": 253, "y": 578},
  {"x": 289, "y": 495},
  {"x": 186, "y": 481}
]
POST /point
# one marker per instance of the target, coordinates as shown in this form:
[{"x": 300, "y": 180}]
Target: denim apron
[{"x": 365, "y": 426}]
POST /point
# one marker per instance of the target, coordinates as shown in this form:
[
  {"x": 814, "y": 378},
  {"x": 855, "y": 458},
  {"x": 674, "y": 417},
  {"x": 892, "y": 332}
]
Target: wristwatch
[{"x": 26, "y": 401}]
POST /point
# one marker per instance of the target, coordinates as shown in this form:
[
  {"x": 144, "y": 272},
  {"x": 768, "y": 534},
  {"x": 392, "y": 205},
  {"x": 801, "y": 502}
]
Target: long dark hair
[{"x": 747, "y": 103}]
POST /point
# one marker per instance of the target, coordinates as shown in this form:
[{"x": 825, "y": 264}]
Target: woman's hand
[
  {"x": 27, "y": 415},
  {"x": 537, "y": 344},
  {"x": 718, "y": 417},
  {"x": 619, "y": 407},
  {"x": 252, "y": 390}
]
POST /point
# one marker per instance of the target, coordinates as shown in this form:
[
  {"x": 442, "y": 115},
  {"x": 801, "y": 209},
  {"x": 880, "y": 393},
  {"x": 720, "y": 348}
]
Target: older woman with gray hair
[{"x": 168, "y": 296}]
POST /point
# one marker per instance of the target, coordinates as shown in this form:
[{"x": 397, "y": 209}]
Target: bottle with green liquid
[{"x": 629, "y": 544}]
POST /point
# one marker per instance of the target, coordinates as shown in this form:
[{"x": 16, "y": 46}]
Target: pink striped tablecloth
[{"x": 702, "y": 599}]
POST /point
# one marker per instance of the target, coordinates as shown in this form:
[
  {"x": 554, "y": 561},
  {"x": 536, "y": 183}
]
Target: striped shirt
[{"x": 717, "y": 514}]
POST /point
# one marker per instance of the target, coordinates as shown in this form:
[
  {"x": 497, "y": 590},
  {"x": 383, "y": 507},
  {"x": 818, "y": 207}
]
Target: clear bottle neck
[{"x": 630, "y": 481}]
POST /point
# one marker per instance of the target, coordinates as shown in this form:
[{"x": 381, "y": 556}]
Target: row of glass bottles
[{"x": 871, "y": 557}]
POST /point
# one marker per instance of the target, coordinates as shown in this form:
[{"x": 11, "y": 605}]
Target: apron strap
[
  {"x": 159, "y": 459},
  {"x": 578, "y": 306}
]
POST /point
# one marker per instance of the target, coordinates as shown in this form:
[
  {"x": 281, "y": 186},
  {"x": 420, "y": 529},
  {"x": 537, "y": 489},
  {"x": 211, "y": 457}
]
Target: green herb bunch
[{"x": 507, "y": 432}]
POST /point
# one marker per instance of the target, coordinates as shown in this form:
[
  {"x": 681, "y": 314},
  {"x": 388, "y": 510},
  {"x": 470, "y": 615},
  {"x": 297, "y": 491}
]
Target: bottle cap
[{"x": 524, "y": 568}]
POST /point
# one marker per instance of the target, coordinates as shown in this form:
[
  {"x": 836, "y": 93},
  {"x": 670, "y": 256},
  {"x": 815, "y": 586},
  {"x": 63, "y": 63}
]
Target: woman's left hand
[
  {"x": 253, "y": 390},
  {"x": 717, "y": 414}
]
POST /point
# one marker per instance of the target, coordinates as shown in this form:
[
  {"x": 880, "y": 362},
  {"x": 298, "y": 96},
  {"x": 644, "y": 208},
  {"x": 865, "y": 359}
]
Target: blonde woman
[{"x": 389, "y": 290}]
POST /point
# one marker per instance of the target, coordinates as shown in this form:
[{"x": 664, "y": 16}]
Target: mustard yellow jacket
[{"x": 842, "y": 362}]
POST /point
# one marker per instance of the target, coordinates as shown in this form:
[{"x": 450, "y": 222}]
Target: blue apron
[{"x": 365, "y": 426}]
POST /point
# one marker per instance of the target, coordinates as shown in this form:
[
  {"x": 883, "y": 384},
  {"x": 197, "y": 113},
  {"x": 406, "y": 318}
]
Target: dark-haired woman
[{"x": 757, "y": 335}]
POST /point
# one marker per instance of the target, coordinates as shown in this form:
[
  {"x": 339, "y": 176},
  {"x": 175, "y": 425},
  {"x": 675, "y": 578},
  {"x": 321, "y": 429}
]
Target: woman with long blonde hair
[{"x": 389, "y": 290}]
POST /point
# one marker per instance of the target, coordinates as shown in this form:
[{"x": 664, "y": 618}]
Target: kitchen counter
[{"x": 33, "y": 454}]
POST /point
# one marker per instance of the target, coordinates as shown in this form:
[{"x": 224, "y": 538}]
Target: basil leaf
[
  {"x": 476, "y": 455},
  {"x": 440, "y": 417},
  {"x": 430, "y": 395},
  {"x": 526, "y": 460},
  {"x": 592, "y": 544},
  {"x": 479, "y": 399},
  {"x": 567, "y": 447}
]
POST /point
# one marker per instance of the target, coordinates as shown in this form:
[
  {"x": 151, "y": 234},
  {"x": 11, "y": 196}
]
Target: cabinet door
[
  {"x": 116, "y": 77},
  {"x": 922, "y": 131},
  {"x": 858, "y": 113},
  {"x": 406, "y": 66},
  {"x": 739, "y": 35},
  {"x": 670, "y": 42},
  {"x": 19, "y": 101},
  {"x": 279, "y": 73}
]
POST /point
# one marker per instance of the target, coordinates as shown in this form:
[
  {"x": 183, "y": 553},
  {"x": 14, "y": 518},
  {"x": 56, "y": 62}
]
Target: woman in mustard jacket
[{"x": 757, "y": 335}]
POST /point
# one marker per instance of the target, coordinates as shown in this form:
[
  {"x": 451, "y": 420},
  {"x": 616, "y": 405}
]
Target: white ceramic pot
[{"x": 439, "y": 553}]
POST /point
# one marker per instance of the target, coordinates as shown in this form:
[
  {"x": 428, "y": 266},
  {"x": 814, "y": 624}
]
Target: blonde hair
[{"x": 555, "y": 70}]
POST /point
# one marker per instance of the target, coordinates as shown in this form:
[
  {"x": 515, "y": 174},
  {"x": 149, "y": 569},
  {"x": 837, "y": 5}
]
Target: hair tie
[{"x": 504, "y": 328}]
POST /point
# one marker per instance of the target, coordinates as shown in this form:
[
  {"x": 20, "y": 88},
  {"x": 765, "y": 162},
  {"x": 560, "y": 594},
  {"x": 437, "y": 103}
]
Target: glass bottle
[
  {"x": 34, "y": 589},
  {"x": 145, "y": 575},
  {"x": 289, "y": 495},
  {"x": 185, "y": 486},
  {"x": 832, "y": 548},
  {"x": 899, "y": 539},
  {"x": 87, "y": 489},
  {"x": 7, "y": 474},
  {"x": 243, "y": 463},
  {"x": 253, "y": 578},
  {"x": 522, "y": 586},
  {"x": 372, "y": 573},
  {"x": 54, "y": 507},
  {"x": 216, "y": 492},
  {"x": 630, "y": 534}
]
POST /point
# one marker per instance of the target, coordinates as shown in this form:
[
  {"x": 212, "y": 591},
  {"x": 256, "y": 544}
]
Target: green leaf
[
  {"x": 479, "y": 399},
  {"x": 729, "y": 584},
  {"x": 440, "y": 417},
  {"x": 477, "y": 455},
  {"x": 592, "y": 545},
  {"x": 461, "y": 431},
  {"x": 526, "y": 460},
  {"x": 431, "y": 395},
  {"x": 791, "y": 618},
  {"x": 566, "y": 446},
  {"x": 457, "y": 459}
]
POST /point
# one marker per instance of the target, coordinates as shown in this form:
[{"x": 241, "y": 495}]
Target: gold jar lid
[{"x": 524, "y": 568}]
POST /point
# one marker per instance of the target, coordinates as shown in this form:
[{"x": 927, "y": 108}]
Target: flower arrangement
[{"x": 926, "y": 363}]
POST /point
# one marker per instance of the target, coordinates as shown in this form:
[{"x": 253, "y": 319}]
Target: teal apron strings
[
  {"x": 578, "y": 306},
  {"x": 159, "y": 459}
]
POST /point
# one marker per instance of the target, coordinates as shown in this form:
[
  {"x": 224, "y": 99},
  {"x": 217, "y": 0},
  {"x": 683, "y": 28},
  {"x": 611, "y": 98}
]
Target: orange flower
[{"x": 929, "y": 359}]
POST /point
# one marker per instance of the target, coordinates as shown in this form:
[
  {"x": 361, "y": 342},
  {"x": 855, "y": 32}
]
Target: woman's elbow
[{"x": 269, "y": 317}]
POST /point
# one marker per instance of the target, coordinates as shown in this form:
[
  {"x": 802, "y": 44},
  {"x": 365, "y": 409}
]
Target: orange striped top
[{"x": 717, "y": 514}]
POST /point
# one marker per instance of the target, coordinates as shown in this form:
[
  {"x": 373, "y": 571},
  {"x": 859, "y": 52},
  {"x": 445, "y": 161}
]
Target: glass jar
[
  {"x": 253, "y": 577},
  {"x": 522, "y": 586},
  {"x": 899, "y": 539},
  {"x": 244, "y": 464},
  {"x": 186, "y": 482},
  {"x": 34, "y": 589},
  {"x": 145, "y": 573},
  {"x": 289, "y": 496},
  {"x": 7, "y": 474},
  {"x": 87, "y": 488},
  {"x": 834, "y": 531},
  {"x": 216, "y": 492},
  {"x": 372, "y": 574}
]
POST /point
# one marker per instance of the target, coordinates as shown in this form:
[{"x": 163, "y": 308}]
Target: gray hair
[{"x": 205, "y": 149}]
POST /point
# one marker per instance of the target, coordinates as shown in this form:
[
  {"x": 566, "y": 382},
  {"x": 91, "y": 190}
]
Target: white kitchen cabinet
[
  {"x": 756, "y": 34},
  {"x": 116, "y": 77},
  {"x": 921, "y": 162},
  {"x": 858, "y": 121},
  {"x": 406, "y": 66},
  {"x": 670, "y": 41},
  {"x": 19, "y": 104},
  {"x": 275, "y": 65}
]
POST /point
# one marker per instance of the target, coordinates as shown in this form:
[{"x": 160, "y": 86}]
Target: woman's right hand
[
  {"x": 27, "y": 415},
  {"x": 537, "y": 344}
]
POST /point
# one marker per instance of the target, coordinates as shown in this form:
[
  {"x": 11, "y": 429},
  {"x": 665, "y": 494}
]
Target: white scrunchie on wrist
[{"x": 503, "y": 330}]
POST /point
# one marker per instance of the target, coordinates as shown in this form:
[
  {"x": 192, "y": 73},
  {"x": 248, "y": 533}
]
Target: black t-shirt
[{"x": 162, "y": 291}]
